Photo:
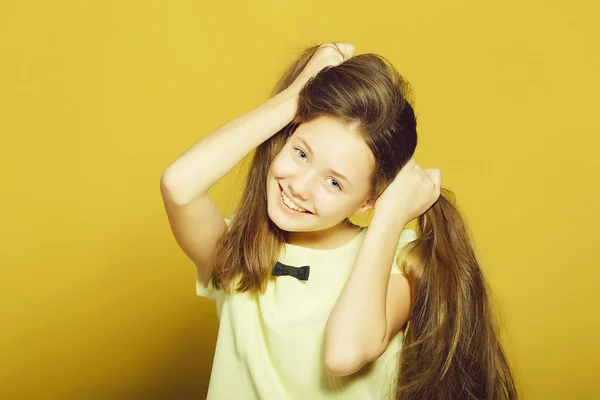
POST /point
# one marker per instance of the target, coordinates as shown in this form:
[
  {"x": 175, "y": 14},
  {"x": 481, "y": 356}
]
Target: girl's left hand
[{"x": 412, "y": 192}]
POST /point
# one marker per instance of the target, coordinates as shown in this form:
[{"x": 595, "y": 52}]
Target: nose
[{"x": 300, "y": 187}]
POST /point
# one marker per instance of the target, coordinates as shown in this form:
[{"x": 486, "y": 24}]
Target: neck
[{"x": 325, "y": 239}]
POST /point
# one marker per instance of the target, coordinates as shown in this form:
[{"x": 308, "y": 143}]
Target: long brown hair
[{"x": 452, "y": 349}]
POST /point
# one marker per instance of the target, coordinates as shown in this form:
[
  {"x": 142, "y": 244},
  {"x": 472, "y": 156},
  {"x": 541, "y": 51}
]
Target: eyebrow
[{"x": 330, "y": 170}]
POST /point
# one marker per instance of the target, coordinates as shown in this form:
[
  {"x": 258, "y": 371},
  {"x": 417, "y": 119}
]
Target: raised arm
[
  {"x": 209, "y": 159},
  {"x": 195, "y": 219},
  {"x": 374, "y": 306}
]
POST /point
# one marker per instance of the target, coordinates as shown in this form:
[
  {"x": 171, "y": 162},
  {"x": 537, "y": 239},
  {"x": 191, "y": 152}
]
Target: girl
[{"x": 310, "y": 305}]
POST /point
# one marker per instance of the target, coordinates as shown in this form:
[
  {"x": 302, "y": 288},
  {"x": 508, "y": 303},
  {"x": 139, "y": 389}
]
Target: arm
[
  {"x": 209, "y": 159},
  {"x": 373, "y": 305},
  {"x": 206, "y": 162},
  {"x": 195, "y": 219}
]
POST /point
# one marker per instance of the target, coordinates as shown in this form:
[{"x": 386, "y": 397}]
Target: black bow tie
[{"x": 297, "y": 272}]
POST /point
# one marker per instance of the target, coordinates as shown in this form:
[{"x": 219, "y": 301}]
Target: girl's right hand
[{"x": 328, "y": 54}]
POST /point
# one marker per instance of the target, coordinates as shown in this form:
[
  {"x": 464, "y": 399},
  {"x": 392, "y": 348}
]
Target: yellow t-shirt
[{"x": 270, "y": 346}]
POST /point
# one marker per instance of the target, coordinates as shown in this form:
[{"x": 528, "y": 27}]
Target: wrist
[{"x": 391, "y": 217}]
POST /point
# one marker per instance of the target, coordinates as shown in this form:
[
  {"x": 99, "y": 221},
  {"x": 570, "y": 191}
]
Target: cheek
[
  {"x": 282, "y": 167},
  {"x": 332, "y": 204},
  {"x": 339, "y": 206}
]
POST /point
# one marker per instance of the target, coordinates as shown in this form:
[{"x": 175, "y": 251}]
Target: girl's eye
[
  {"x": 301, "y": 154},
  {"x": 335, "y": 184}
]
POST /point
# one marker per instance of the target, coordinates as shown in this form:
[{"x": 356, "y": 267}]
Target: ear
[{"x": 369, "y": 204}]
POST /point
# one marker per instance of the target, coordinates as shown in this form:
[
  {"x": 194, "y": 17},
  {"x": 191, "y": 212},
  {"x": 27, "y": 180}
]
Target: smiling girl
[{"x": 312, "y": 306}]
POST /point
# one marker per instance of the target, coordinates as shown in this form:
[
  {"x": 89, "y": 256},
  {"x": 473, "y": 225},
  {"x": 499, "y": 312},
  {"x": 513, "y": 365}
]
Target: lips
[{"x": 288, "y": 208}]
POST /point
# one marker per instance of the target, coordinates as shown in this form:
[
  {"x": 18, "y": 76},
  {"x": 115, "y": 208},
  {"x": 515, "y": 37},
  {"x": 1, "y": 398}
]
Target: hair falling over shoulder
[{"x": 453, "y": 348}]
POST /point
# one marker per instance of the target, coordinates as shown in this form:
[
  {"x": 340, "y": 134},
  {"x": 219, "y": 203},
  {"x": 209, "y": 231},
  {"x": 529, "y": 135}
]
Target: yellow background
[{"x": 98, "y": 97}]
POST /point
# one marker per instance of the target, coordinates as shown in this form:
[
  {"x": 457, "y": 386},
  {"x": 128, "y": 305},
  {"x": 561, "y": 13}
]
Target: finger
[{"x": 346, "y": 48}]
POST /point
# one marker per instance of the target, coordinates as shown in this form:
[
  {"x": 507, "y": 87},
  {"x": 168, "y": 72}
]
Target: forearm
[
  {"x": 357, "y": 325},
  {"x": 209, "y": 159}
]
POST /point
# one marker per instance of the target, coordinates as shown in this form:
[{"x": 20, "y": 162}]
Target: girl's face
[{"x": 320, "y": 177}]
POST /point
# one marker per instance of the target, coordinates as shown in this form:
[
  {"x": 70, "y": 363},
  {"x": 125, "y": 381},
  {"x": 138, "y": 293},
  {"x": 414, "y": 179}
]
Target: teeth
[{"x": 290, "y": 203}]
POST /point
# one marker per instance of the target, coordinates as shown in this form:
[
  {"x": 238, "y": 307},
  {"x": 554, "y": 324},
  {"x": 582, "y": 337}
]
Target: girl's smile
[
  {"x": 302, "y": 178},
  {"x": 288, "y": 205}
]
